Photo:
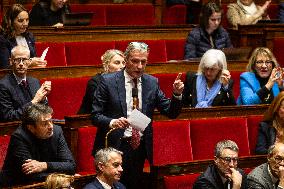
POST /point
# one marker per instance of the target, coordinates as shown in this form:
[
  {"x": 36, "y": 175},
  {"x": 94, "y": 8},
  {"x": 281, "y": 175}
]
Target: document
[
  {"x": 44, "y": 54},
  {"x": 138, "y": 120}
]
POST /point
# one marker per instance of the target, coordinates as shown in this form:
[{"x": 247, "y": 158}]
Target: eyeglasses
[
  {"x": 19, "y": 60},
  {"x": 278, "y": 159},
  {"x": 137, "y": 61},
  {"x": 267, "y": 63},
  {"x": 230, "y": 159}
]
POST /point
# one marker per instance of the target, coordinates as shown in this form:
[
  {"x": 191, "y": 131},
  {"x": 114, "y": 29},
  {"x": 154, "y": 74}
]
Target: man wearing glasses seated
[
  {"x": 223, "y": 174},
  {"x": 36, "y": 149},
  {"x": 270, "y": 174},
  {"x": 17, "y": 90}
]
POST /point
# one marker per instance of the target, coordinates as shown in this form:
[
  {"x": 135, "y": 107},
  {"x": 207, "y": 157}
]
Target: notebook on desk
[
  {"x": 78, "y": 19},
  {"x": 241, "y": 53}
]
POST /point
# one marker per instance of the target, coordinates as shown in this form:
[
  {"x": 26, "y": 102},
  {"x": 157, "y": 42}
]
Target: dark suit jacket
[
  {"x": 211, "y": 179},
  {"x": 86, "y": 106},
  {"x": 6, "y": 46},
  {"x": 266, "y": 137},
  {"x": 259, "y": 178},
  {"x": 110, "y": 103},
  {"x": 97, "y": 185},
  {"x": 223, "y": 98},
  {"x": 12, "y": 98},
  {"x": 24, "y": 145}
]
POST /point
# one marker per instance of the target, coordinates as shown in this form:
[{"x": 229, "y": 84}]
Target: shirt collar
[
  {"x": 105, "y": 185},
  {"x": 129, "y": 79},
  {"x": 19, "y": 79}
]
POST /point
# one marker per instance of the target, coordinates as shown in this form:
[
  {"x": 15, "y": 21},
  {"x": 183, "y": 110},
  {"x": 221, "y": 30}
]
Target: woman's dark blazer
[
  {"x": 223, "y": 98},
  {"x": 6, "y": 46},
  {"x": 266, "y": 137}
]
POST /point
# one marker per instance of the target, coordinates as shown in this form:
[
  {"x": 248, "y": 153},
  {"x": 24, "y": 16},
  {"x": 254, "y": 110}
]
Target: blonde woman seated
[
  {"x": 113, "y": 60},
  {"x": 59, "y": 181},
  {"x": 246, "y": 12},
  {"x": 260, "y": 84},
  {"x": 271, "y": 129},
  {"x": 212, "y": 85}
]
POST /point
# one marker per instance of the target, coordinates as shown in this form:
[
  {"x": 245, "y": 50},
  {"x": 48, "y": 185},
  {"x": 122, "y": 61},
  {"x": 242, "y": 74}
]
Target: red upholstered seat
[
  {"x": 166, "y": 81},
  {"x": 273, "y": 11},
  {"x": 99, "y": 17},
  {"x": 207, "y": 132},
  {"x": 85, "y": 160},
  {"x": 278, "y": 50},
  {"x": 4, "y": 143},
  {"x": 175, "y": 14},
  {"x": 181, "y": 181},
  {"x": 235, "y": 76},
  {"x": 157, "y": 49},
  {"x": 86, "y": 53},
  {"x": 55, "y": 55},
  {"x": 224, "y": 22},
  {"x": 253, "y": 124},
  {"x": 175, "y": 49},
  {"x": 66, "y": 95},
  {"x": 130, "y": 14},
  {"x": 171, "y": 142}
]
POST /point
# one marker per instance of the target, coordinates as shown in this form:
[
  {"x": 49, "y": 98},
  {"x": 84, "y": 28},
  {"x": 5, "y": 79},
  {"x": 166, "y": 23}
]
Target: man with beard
[
  {"x": 17, "y": 90},
  {"x": 269, "y": 175},
  {"x": 223, "y": 174},
  {"x": 36, "y": 149},
  {"x": 108, "y": 162}
]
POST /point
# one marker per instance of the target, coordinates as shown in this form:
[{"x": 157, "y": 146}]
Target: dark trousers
[{"x": 133, "y": 163}]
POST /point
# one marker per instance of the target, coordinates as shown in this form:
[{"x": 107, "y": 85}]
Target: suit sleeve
[
  {"x": 101, "y": 99},
  {"x": 229, "y": 95},
  {"x": 65, "y": 162},
  {"x": 4, "y": 53},
  {"x": 262, "y": 144},
  {"x": 253, "y": 184},
  {"x": 190, "y": 46},
  {"x": 203, "y": 184},
  {"x": 188, "y": 90}
]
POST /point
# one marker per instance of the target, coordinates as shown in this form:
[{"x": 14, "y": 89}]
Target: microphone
[{"x": 135, "y": 98}]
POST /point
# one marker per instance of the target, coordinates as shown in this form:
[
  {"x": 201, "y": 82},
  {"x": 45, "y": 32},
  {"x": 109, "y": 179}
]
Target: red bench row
[
  {"x": 67, "y": 93},
  {"x": 89, "y": 53}
]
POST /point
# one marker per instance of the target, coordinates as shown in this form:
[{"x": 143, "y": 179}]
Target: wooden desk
[
  {"x": 82, "y": 71},
  {"x": 110, "y": 33}
]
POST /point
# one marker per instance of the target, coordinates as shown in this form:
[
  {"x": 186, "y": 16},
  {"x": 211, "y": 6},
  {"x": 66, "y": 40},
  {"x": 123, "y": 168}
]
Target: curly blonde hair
[
  {"x": 108, "y": 55},
  {"x": 56, "y": 180}
]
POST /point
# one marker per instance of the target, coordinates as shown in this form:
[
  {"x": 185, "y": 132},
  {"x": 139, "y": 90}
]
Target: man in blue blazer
[
  {"x": 17, "y": 90},
  {"x": 112, "y": 106}
]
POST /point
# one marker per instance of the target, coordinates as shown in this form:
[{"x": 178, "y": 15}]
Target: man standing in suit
[
  {"x": 17, "y": 90},
  {"x": 269, "y": 175},
  {"x": 108, "y": 162},
  {"x": 223, "y": 174},
  {"x": 114, "y": 101}
]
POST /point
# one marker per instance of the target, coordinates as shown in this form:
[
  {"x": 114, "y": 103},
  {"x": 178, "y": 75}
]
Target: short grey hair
[
  {"x": 33, "y": 113},
  {"x": 142, "y": 47},
  {"x": 20, "y": 48},
  {"x": 225, "y": 144},
  {"x": 103, "y": 156},
  {"x": 211, "y": 58}
]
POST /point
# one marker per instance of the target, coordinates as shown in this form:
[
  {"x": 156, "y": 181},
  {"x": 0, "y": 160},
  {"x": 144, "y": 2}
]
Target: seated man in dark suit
[
  {"x": 271, "y": 174},
  {"x": 224, "y": 174},
  {"x": 17, "y": 90},
  {"x": 108, "y": 162},
  {"x": 114, "y": 100},
  {"x": 36, "y": 149}
]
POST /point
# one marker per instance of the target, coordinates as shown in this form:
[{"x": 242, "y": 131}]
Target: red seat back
[
  {"x": 131, "y": 14},
  {"x": 4, "y": 143},
  {"x": 166, "y": 81},
  {"x": 175, "y": 49},
  {"x": 171, "y": 142},
  {"x": 85, "y": 160},
  {"x": 181, "y": 181},
  {"x": 175, "y": 14},
  {"x": 207, "y": 132},
  {"x": 55, "y": 55},
  {"x": 99, "y": 17},
  {"x": 253, "y": 124},
  {"x": 86, "y": 53},
  {"x": 66, "y": 95},
  {"x": 157, "y": 49}
]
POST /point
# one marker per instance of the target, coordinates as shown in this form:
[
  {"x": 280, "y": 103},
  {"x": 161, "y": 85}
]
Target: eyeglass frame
[
  {"x": 229, "y": 159},
  {"x": 278, "y": 159},
  {"x": 23, "y": 60},
  {"x": 267, "y": 63}
]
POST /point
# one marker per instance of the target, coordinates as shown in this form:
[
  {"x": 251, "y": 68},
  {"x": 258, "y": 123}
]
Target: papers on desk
[
  {"x": 44, "y": 54},
  {"x": 138, "y": 120}
]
